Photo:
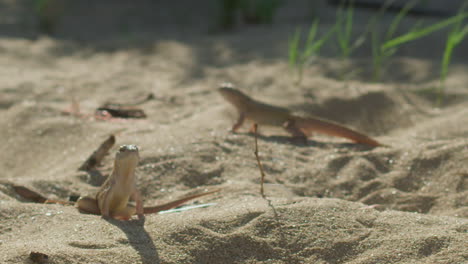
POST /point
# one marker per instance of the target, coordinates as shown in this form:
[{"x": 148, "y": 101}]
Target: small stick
[
  {"x": 98, "y": 154},
  {"x": 29, "y": 194},
  {"x": 260, "y": 166}
]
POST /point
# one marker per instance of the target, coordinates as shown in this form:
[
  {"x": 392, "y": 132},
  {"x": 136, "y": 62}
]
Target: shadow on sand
[{"x": 138, "y": 239}]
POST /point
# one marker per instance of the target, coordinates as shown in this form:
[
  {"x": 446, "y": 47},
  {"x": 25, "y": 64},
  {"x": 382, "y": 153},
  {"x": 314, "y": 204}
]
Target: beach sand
[{"x": 330, "y": 201}]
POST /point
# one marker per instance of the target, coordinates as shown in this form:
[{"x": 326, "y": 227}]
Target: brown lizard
[
  {"x": 300, "y": 127},
  {"x": 113, "y": 196}
]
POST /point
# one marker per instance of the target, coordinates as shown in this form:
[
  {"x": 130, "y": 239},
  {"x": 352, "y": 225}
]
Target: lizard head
[
  {"x": 232, "y": 95},
  {"x": 127, "y": 156}
]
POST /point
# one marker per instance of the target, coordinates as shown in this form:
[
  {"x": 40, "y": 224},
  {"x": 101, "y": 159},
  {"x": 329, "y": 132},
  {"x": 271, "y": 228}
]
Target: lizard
[
  {"x": 112, "y": 199},
  {"x": 299, "y": 127}
]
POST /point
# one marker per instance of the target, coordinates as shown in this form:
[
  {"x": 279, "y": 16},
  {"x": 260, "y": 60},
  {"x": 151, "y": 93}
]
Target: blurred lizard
[{"x": 300, "y": 127}]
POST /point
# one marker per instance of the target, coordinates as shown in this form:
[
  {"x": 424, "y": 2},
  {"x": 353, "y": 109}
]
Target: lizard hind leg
[
  {"x": 295, "y": 131},
  {"x": 238, "y": 123}
]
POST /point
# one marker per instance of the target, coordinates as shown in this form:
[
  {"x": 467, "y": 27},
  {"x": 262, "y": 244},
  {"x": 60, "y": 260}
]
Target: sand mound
[{"x": 330, "y": 201}]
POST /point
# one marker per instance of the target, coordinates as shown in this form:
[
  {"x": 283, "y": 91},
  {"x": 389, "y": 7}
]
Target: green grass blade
[
  {"x": 339, "y": 27},
  {"x": 444, "y": 68},
  {"x": 461, "y": 35},
  {"x": 294, "y": 48},
  {"x": 315, "y": 47},
  {"x": 446, "y": 58},
  {"x": 310, "y": 45},
  {"x": 344, "y": 28},
  {"x": 422, "y": 32},
  {"x": 312, "y": 33},
  {"x": 454, "y": 38},
  {"x": 396, "y": 21},
  {"x": 349, "y": 21}
]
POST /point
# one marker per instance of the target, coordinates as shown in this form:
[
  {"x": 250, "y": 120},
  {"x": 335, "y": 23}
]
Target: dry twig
[
  {"x": 260, "y": 166},
  {"x": 115, "y": 110},
  {"x": 98, "y": 154},
  {"x": 36, "y": 197}
]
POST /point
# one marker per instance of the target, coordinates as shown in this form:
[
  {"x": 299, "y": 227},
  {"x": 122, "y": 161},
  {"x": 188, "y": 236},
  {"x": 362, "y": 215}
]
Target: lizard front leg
[
  {"x": 238, "y": 123},
  {"x": 136, "y": 196}
]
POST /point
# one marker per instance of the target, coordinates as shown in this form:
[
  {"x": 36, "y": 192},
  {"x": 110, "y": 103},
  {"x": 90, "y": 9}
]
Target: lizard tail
[
  {"x": 308, "y": 125},
  {"x": 175, "y": 203}
]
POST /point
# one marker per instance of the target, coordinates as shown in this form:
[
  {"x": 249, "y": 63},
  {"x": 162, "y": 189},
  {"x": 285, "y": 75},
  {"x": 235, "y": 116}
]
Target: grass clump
[
  {"x": 344, "y": 33},
  {"x": 454, "y": 38},
  {"x": 300, "y": 56},
  {"x": 381, "y": 52},
  {"x": 384, "y": 43}
]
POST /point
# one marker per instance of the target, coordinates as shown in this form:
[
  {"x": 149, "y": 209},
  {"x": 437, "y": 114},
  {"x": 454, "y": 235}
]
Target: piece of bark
[
  {"x": 29, "y": 194},
  {"x": 97, "y": 156},
  {"x": 117, "y": 110}
]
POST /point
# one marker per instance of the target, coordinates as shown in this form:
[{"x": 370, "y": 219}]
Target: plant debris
[
  {"x": 36, "y": 197},
  {"x": 97, "y": 156},
  {"x": 117, "y": 110}
]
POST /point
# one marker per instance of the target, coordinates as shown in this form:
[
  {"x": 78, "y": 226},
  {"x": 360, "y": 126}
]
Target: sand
[{"x": 329, "y": 201}]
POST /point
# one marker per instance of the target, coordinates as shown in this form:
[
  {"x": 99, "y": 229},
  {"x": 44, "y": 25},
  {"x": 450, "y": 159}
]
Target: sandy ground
[{"x": 329, "y": 201}]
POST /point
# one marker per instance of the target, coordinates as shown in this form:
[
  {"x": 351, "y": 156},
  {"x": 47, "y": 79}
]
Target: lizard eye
[{"x": 123, "y": 148}]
